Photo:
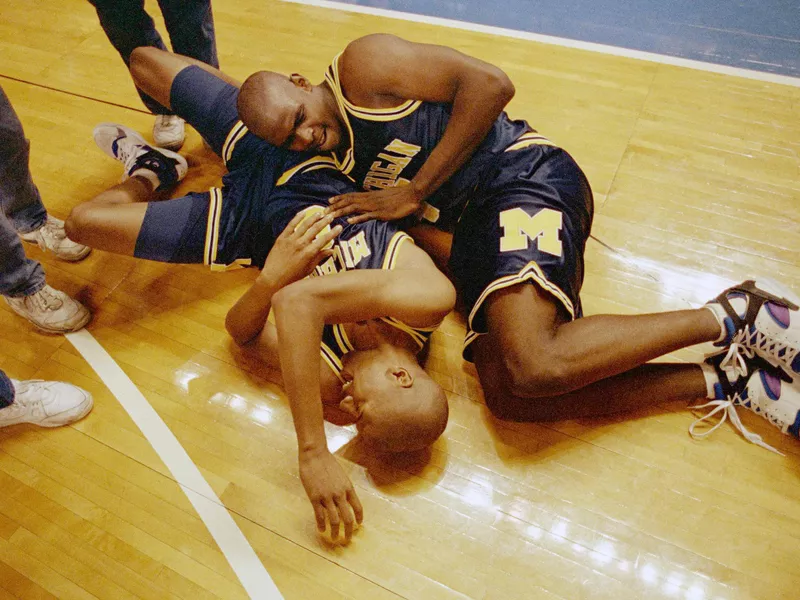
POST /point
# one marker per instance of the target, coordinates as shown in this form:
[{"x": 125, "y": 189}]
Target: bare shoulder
[
  {"x": 366, "y": 67},
  {"x": 371, "y": 48}
]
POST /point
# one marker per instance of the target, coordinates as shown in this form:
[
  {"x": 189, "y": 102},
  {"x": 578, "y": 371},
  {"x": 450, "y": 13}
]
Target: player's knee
[
  {"x": 143, "y": 55},
  {"x": 79, "y": 222},
  {"x": 141, "y": 61},
  {"x": 536, "y": 374}
]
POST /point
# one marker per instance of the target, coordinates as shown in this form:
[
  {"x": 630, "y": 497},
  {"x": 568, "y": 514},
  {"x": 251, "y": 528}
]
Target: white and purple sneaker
[
  {"x": 763, "y": 319},
  {"x": 757, "y": 386},
  {"x": 160, "y": 166}
]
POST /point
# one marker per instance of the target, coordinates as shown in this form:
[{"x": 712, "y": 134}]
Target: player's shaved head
[
  {"x": 290, "y": 112},
  {"x": 264, "y": 99},
  {"x": 405, "y": 419}
]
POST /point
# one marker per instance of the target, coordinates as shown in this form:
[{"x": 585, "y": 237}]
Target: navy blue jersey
[
  {"x": 387, "y": 146},
  {"x": 306, "y": 188}
]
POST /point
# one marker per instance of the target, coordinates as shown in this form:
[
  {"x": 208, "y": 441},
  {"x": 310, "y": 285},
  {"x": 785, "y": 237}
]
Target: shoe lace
[
  {"x": 53, "y": 229},
  {"x": 728, "y": 409},
  {"x": 127, "y": 152},
  {"x": 767, "y": 346},
  {"x": 168, "y": 121},
  {"x": 734, "y": 363},
  {"x": 44, "y": 299}
]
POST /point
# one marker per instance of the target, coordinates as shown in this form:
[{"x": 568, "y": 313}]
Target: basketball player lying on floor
[
  {"x": 423, "y": 126},
  {"x": 368, "y": 317}
]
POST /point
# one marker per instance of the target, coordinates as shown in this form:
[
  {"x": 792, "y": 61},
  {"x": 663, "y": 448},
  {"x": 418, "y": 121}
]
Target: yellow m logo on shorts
[{"x": 520, "y": 228}]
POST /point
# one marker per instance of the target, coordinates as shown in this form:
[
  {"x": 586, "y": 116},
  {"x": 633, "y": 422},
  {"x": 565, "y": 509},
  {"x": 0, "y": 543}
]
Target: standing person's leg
[
  {"x": 22, "y": 280},
  {"x": 128, "y": 26},
  {"x": 19, "y": 275},
  {"x": 22, "y": 284},
  {"x": 190, "y": 24},
  {"x": 19, "y": 197}
]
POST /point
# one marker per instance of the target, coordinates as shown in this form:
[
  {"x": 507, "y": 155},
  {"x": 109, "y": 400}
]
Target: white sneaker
[
  {"x": 169, "y": 131},
  {"x": 51, "y": 310},
  {"x": 762, "y": 317},
  {"x": 51, "y": 236},
  {"x": 162, "y": 167},
  {"x": 46, "y": 403},
  {"x": 754, "y": 384}
]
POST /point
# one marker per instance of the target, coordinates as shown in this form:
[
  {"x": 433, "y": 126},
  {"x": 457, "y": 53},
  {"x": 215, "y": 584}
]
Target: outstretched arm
[
  {"x": 382, "y": 70},
  {"x": 418, "y": 296}
]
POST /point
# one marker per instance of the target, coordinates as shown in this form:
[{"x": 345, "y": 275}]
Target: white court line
[
  {"x": 556, "y": 41},
  {"x": 223, "y": 528}
]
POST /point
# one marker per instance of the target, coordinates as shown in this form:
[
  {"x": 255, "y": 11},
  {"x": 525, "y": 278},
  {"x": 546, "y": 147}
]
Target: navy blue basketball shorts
[
  {"x": 528, "y": 223},
  {"x": 217, "y": 228}
]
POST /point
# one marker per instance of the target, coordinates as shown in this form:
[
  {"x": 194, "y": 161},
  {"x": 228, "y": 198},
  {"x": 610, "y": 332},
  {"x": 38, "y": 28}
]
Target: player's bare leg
[
  {"x": 545, "y": 355},
  {"x": 154, "y": 70},
  {"x": 113, "y": 219},
  {"x": 647, "y": 385},
  {"x": 534, "y": 365}
]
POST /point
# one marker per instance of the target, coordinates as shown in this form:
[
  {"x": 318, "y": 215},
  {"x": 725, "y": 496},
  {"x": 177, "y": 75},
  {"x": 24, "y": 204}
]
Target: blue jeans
[
  {"x": 21, "y": 208},
  {"x": 6, "y": 390},
  {"x": 189, "y": 22}
]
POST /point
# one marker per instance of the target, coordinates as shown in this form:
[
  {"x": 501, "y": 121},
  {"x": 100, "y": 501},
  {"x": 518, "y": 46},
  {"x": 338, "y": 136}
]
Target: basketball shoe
[
  {"x": 169, "y": 131},
  {"x": 763, "y": 319},
  {"x": 46, "y": 403},
  {"x": 161, "y": 167},
  {"x": 51, "y": 310},
  {"x": 757, "y": 386},
  {"x": 51, "y": 236}
]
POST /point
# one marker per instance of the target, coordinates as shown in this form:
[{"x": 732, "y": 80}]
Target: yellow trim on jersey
[
  {"x": 416, "y": 333},
  {"x": 312, "y": 164},
  {"x": 332, "y": 77},
  {"x": 341, "y": 338},
  {"x": 330, "y": 358},
  {"x": 382, "y": 114},
  {"x": 529, "y": 271},
  {"x": 234, "y": 135},
  {"x": 469, "y": 338},
  {"x": 392, "y": 249},
  {"x": 239, "y": 263},
  {"x": 212, "y": 226},
  {"x": 529, "y": 139}
]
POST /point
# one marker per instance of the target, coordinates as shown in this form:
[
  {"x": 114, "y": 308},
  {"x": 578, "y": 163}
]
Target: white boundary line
[
  {"x": 223, "y": 528},
  {"x": 556, "y": 41}
]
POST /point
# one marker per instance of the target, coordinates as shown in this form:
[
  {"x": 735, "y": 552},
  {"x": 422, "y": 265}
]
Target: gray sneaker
[
  {"x": 169, "y": 131},
  {"x": 51, "y": 236},
  {"x": 51, "y": 310},
  {"x": 46, "y": 403}
]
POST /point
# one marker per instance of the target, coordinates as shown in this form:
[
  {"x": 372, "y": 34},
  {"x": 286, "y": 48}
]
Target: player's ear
[
  {"x": 300, "y": 81},
  {"x": 402, "y": 377}
]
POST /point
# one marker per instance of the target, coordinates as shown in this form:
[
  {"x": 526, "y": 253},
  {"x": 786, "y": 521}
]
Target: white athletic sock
[
  {"x": 720, "y": 314},
  {"x": 711, "y": 377}
]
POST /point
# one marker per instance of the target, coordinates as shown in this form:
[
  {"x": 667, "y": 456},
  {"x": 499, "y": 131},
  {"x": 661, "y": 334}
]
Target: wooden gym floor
[{"x": 697, "y": 186}]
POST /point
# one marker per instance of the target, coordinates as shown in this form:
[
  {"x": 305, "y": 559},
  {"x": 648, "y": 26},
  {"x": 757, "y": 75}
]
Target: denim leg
[
  {"x": 19, "y": 198},
  {"x": 190, "y": 24},
  {"x": 19, "y": 275},
  {"x": 128, "y": 26},
  {"x": 6, "y": 390}
]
